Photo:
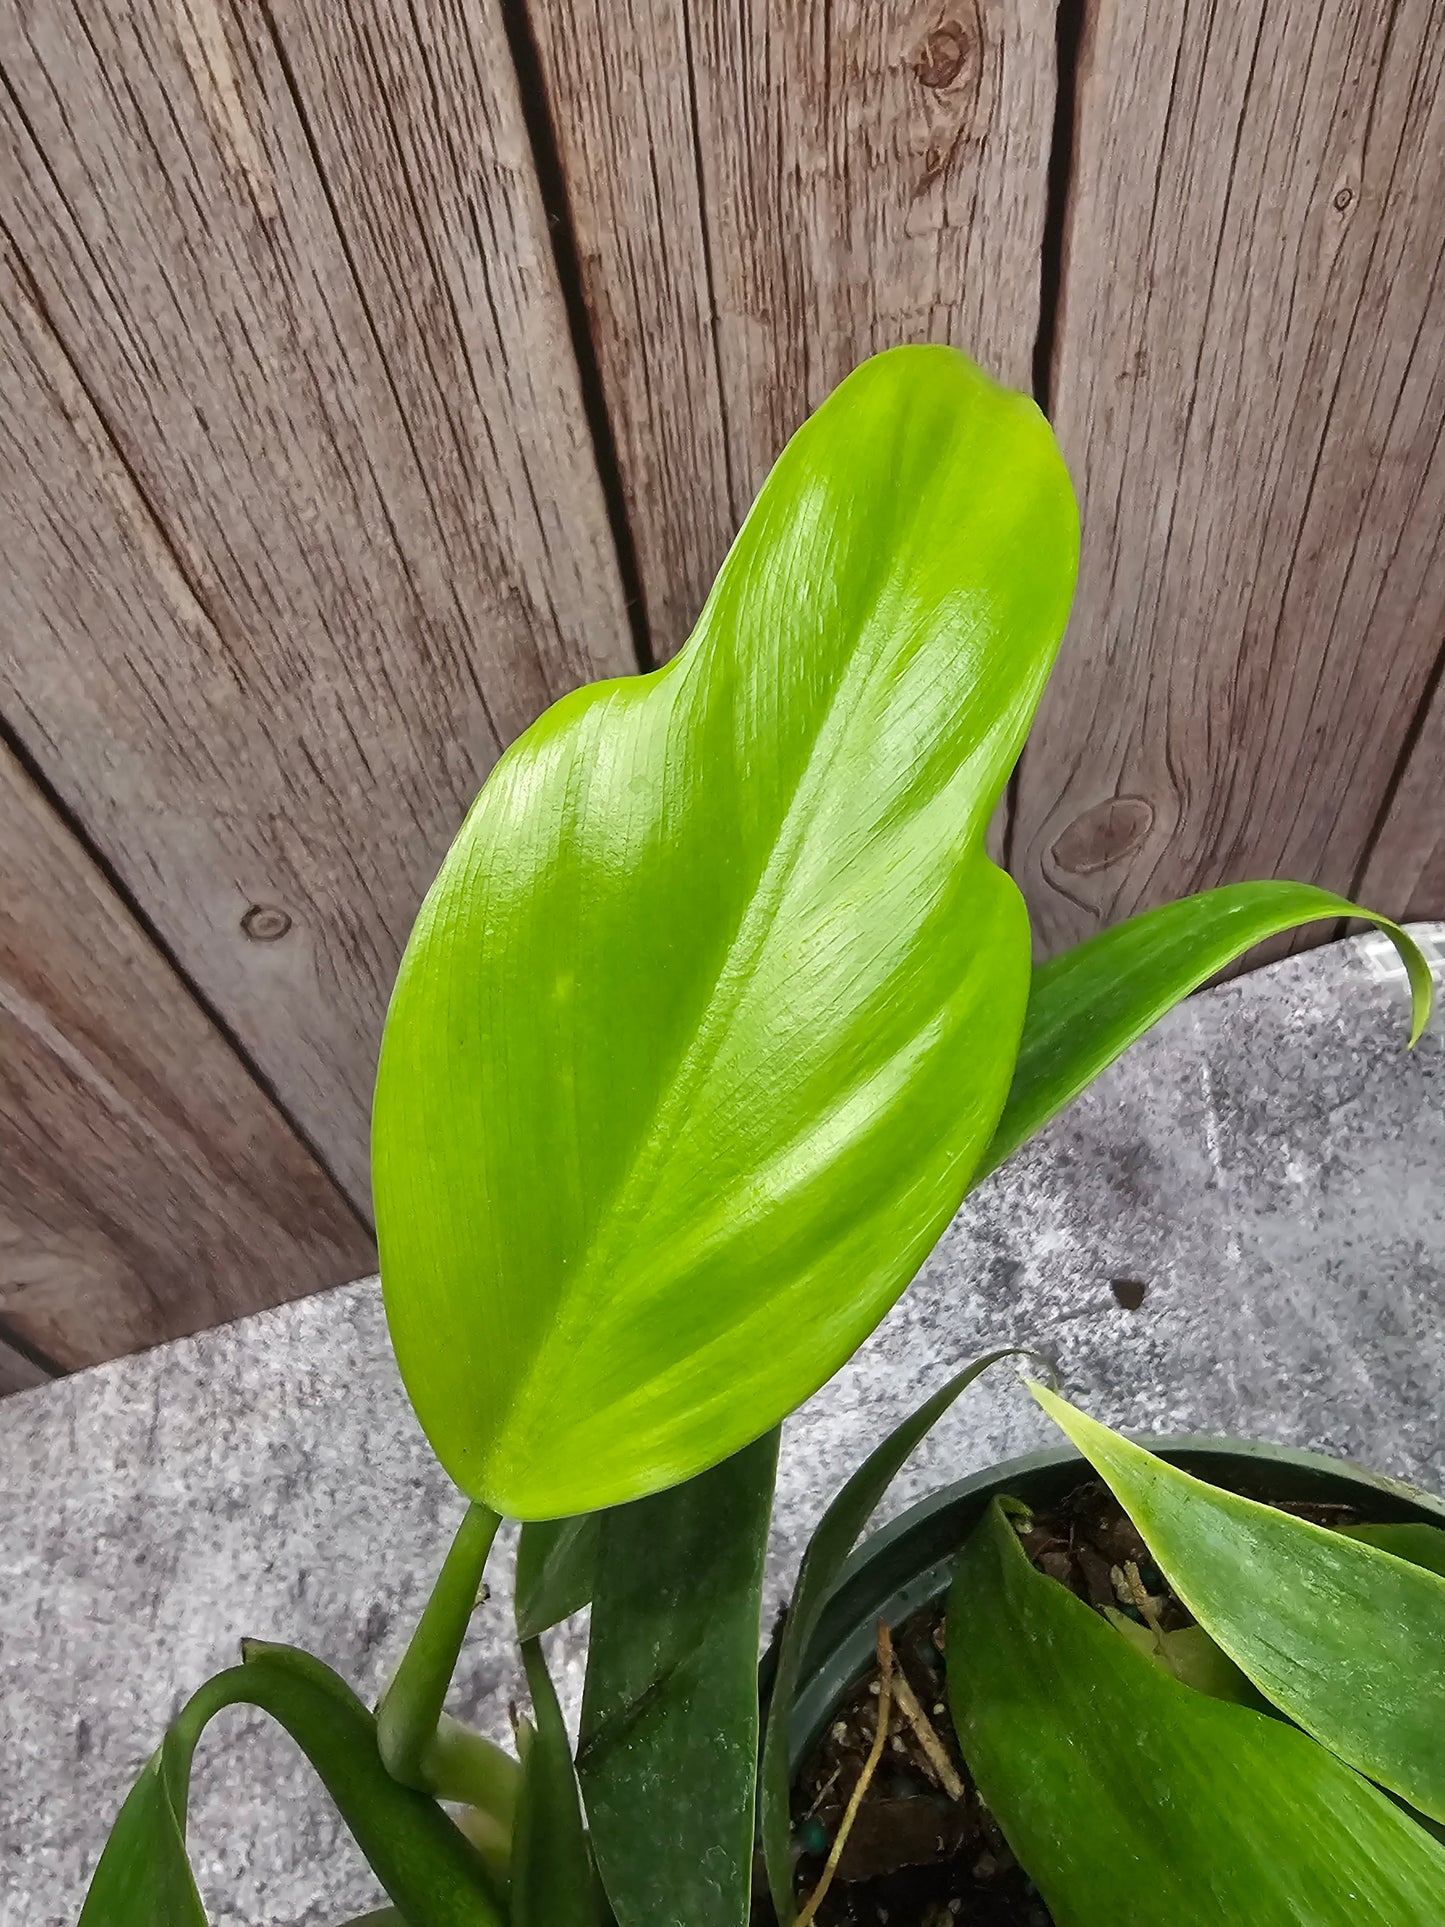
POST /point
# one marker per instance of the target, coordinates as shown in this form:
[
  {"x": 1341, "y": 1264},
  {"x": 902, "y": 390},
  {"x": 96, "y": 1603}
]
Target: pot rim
[{"x": 907, "y": 1563}]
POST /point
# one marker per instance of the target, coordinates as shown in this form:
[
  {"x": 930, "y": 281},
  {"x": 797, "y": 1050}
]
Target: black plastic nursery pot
[{"x": 908, "y": 1564}]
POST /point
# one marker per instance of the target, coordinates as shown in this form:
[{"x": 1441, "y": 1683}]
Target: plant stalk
[{"x": 409, "y": 1712}]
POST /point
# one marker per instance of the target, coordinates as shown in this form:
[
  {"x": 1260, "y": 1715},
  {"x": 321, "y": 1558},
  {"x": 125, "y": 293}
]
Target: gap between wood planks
[
  {"x": 1069, "y": 26},
  {"x": 557, "y": 210},
  {"x": 11, "y": 1340},
  {"x": 61, "y": 809}
]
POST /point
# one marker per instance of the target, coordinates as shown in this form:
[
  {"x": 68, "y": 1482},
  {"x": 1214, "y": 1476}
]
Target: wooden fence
[{"x": 372, "y": 373}]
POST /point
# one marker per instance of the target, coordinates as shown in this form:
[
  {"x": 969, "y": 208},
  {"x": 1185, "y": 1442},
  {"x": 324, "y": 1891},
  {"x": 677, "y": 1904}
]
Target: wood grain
[
  {"x": 17, "y": 1372},
  {"x": 148, "y": 1187},
  {"x": 298, "y": 478},
  {"x": 1249, "y": 385},
  {"x": 1407, "y": 863},
  {"x": 764, "y": 195}
]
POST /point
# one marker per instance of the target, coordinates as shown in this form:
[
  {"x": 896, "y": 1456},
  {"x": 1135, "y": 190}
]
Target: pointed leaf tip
[{"x": 1087, "y": 1006}]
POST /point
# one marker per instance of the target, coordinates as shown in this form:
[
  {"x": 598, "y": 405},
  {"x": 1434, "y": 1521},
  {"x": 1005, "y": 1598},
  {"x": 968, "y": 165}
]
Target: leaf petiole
[{"x": 409, "y": 1712}]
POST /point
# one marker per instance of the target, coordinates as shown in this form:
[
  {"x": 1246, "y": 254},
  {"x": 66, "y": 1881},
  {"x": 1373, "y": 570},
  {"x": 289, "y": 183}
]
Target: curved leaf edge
[
  {"x": 428, "y": 1869},
  {"x": 1080, "y": 1019}
]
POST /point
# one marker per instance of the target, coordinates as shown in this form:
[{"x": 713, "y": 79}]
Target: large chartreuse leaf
[
  {"x": 668, "y": 1756},
  {"x": 1090, "y": 1004},
  {"x": 713, "y": 1007},
  {"x": 425, "y": 1864},
  {"x": 1128, "y": 1796},
  {"x": 1345, "y": 1638}
]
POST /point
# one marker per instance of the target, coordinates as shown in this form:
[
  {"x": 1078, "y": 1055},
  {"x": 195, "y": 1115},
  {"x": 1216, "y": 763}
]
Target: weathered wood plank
[
  {"x": 17, "y": 1372},
  {"x": 299, "y": 477},
  {"x": 1407, "y": 864},
  {"x": 148, "y": 1187},
  {"x": 764, "y": 195},
  {"x": 1250, "y": 387}
]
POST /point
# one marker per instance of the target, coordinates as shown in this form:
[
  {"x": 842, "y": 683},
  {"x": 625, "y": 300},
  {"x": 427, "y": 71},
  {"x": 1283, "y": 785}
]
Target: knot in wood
[
  {"x": 264, "y": 923},
  {"x": 939, "y": 61},
  {"x": 1103, "y": 835}
]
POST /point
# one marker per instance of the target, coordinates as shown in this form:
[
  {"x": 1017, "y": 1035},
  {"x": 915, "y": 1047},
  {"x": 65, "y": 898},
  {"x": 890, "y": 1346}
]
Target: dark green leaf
[
  {"x": 553, "y": 1884},
  {"x": 427, "y": 1868},
  {"x": 1345, "y": 1639},
  {"x": 556, "y": 1559},
  {"x": 1090, "y": 1004},
  {"x": 713, "y": 1008},
  {"x": 144, "y": 1878},
  {"x": 824, "y": 1559},
  {"x": 1421, "y": 1545},
  {"x": 669, "y": 1752},
  {"x": 1127, "y": 1796}
]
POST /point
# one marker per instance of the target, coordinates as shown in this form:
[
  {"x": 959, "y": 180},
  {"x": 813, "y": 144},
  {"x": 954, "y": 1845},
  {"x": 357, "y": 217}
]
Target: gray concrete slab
[{"x": 1267, "y": 1164}]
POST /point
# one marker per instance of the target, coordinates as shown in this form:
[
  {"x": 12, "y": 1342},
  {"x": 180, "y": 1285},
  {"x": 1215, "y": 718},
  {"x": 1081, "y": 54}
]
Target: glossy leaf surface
[
  {"x": 668, "y": 1756},
  {"x": 426, "y": 1866},
  {"x": 826, "y": 1555},
  {"x": 1087, "y": 1006},
  {"x": 556, "y": 1560},
  {"x": 553, "y": 1884},
  {"x": 1130, "y": 1797},
  {"x": 713, "y": 1007},
  {"x": 1344, "y": 1638}
]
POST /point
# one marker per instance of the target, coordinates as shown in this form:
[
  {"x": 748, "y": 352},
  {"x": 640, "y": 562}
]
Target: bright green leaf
[
  {"x": 1090, "y": 1004},
  {"x": 428, "y": 1869},
  {"x": 1127, "y": 1796},
  {"x": 556, "y": 1559},
  {"x": 1421, "y": 1545},
  {"x": 826, "y": 1555},
  {"x": 553, "y": 1884},
  {"x": 668, "y": 1757},
  {"x": 1344, "y": 1638},
  {"x": 713, "y": 1008}
]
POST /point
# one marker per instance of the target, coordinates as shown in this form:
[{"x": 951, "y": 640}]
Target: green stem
[
  {"x": 463, "y": 1765},
  {"x": 409, "y": 1713}
]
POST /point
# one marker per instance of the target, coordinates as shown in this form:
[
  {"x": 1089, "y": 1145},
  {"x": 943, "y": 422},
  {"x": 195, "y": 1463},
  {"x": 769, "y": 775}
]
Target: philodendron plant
[{"x": 716, "y": 1011}]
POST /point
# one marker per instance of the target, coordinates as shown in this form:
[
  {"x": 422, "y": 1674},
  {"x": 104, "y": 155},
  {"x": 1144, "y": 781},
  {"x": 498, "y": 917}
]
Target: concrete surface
[{"x": 1267, "y": 1164}]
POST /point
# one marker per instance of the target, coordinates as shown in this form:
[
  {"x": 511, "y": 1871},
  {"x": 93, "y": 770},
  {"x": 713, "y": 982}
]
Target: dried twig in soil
[
  {"x": 1144, "y": 1603},
  {"x": 944, "y": 1771},
  {"x": 870, "y": 1767}
]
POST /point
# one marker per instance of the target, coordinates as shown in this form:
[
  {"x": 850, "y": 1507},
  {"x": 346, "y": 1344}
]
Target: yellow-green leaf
[{"x": 713, "y": 1008}]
